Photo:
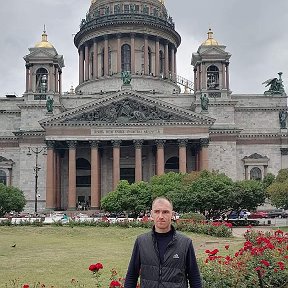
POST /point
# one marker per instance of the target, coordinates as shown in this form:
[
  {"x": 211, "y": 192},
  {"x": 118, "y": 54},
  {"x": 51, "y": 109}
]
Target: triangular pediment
[
  {"x": 215, "y": 50},
  {"x": 127, "y": 108},
  {"x": 42, "y": 53}
]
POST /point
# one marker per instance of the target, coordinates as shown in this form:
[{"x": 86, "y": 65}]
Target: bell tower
[
  {"x": 211, "y": 69},
  {"x": 43, "y": 71}
]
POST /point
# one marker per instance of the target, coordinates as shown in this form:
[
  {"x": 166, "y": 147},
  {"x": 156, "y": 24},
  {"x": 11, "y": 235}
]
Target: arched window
[
  {"x": 149, "y": 61},
  {"x": 172, "y": 164},
  {"x": 161, "y": 61},
  {"x": 212, "y": 77},
  {"x": 255, "y": 173},
  {"x": 126, "y": 57},
  {"x": 3, "y": 177},
  {"x": 102, "y": 62},
  {"x": 41, "y": 80},
  {"x": 83, "y": 172}
]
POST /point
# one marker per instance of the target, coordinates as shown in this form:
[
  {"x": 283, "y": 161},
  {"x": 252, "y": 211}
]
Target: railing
[
  {"x": 187, "y": 84},
  {"x": 114, "y": 18}
]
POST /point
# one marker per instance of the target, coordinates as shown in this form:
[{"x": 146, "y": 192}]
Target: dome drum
[{"x": 95, "y": 19}]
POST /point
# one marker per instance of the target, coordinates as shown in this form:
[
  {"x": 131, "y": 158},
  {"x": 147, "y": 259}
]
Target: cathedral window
[
  {"x": 149, "y": 60},
  {"x": 91, "y": 64},
  {"x": 126, "y": 8},
  {"x": 213, "y": 77},
  {"x": 126, "y": 57},
  {"x": 41, "y": 80},
  {"x": 161, "y": 62},
  {"x": 255, "y": 173},
  {"x": 3, "y": 177},
  {"x": 102, "y": 62},
  {"x": 109, "y": 60}
]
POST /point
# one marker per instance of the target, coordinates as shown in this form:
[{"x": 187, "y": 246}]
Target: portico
[{"x": 134, "y": 139}]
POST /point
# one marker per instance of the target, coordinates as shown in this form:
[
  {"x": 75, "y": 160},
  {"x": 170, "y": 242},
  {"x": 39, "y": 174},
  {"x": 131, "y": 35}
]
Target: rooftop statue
[
  {"x": 276, "y": 86},
  {"x": 204, "y": 102},
  {"x": 49, "y": 104},
  {"x": 126, "y": 77}
]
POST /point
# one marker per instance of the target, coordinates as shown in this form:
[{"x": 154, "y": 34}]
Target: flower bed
[{"x": 261, "y": 262}]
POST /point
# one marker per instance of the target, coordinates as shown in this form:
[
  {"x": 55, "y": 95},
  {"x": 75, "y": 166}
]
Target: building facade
[{"x": 127, "y": 118}]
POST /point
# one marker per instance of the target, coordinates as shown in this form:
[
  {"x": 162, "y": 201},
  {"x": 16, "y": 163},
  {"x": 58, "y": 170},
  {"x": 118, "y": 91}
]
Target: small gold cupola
[
  {"x": 210, "y": 40},
  {"x": 44, "y": 43}
]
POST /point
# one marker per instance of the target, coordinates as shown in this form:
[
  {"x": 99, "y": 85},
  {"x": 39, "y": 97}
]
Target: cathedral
[{"x": 132, "y": 116}]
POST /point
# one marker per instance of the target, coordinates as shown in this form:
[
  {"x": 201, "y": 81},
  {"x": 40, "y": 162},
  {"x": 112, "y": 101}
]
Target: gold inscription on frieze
[{"x": 122, "y": 131}]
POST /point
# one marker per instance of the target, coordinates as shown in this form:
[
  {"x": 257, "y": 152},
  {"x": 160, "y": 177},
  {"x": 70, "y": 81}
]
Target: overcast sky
[{"x": 254, "y": 31}]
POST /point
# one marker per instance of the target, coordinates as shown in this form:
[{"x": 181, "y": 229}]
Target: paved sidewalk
[{"x": 240, "y": 231}]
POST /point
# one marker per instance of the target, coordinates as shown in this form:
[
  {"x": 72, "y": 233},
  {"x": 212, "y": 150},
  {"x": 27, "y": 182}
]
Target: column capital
[
  {"x": 182, "y": 142},
  {"x": 132, "y": 35},
  {"x": 116, "y": 143},
  {"x": 106, "y": 37},
  {"x": 94, "y": 143},
  {"x": 50, "y": 144},
  {"x": 145, "y": 36},
  {"x": 138, "y": 143},
  {"x": 119, "y": 35},
  {"x": 160, "y": 143},
  {"x": 72, "y": 144},
  {"x": 204, "y": 142}
]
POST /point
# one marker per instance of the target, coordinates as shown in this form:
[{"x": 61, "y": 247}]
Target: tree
[
  {"x": 278, "y": 190},
  {"x": 11, "y": 199},
  {"x": 282, "y": 176},
  {"x": 127, "y": 197},
  {"x": 268, "y": 180},
  {"x": 166, "y": 183},
  {"x": 247, "y": 194},
  {"x": 210, "y": 193}
]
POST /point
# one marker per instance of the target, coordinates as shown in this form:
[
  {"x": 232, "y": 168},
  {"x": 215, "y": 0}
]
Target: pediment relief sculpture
[{"x": 129, "y": 111}]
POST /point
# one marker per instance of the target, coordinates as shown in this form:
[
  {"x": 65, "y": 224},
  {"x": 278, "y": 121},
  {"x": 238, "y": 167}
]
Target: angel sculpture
[{"x": 276, "y": 85}]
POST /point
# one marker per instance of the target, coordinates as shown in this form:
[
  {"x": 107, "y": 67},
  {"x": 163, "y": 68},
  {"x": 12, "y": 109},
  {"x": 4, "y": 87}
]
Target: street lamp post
[{"x": 36, "y": 151}]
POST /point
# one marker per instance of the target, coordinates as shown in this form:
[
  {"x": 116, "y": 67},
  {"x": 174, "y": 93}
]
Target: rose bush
[{"x": 261, "y": 262}]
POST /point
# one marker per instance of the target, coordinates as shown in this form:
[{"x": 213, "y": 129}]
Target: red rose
[
  {"x": 95, "y": 267},
  {"x": 25, "y": 286},
  {"x": 265, "y": 263},
  {"x": 114, "y": 284}
]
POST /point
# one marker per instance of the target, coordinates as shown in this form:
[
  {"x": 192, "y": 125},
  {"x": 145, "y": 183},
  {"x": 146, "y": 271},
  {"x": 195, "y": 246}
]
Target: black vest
[{"x": 171, "y": 274}]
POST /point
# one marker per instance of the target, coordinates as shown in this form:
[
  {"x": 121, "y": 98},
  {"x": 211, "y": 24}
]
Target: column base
[{"x": 71, "y": 209}]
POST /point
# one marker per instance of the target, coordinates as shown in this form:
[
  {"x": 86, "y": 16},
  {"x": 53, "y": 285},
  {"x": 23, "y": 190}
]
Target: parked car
[
  {"x": 278, "y": 213},
  {"x": 258, "y": 214}
]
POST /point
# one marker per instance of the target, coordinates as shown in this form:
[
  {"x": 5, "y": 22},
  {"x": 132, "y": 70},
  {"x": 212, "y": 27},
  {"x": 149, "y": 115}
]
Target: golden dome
[
  {"x": 44, "y": 43},
  {"x": 210, "y": 40}
]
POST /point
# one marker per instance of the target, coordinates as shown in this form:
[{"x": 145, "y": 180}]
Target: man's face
[{"x": 162, "y": 214}]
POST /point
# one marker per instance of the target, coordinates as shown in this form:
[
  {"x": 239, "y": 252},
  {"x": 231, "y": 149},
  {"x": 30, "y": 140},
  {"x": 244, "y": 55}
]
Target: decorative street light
[{"x": 36, "y": 151}]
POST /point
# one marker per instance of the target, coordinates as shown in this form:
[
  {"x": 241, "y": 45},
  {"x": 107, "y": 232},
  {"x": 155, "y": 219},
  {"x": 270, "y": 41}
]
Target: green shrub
[{"x": 193, "y": 216}]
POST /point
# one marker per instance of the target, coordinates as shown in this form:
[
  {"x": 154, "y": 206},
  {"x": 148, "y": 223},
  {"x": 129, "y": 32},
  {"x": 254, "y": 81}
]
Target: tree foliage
[
  {"x": 130, "y": 198},
  {"x": 278, "y": 190},
  {"x": 210, "y": 193},
  {"x": 247, "y": 194},
  {"x": 166, "y": 183},
  {"x": 11, "y": 199},
  {"x": 282, "y": 176},
  {"x": 268, "y": 180}
]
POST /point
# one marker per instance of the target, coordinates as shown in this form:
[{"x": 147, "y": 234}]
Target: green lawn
[{"x": 55, "y": 255}]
